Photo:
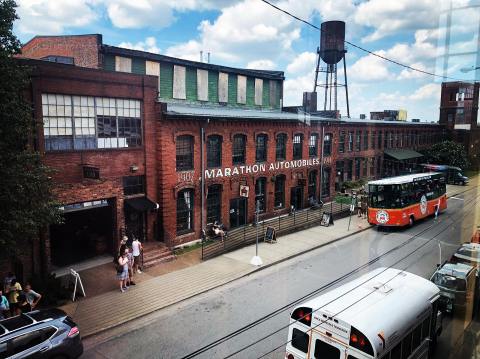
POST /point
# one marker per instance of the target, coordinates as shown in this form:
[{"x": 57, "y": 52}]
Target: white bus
[{"x": 386, "y": 314}]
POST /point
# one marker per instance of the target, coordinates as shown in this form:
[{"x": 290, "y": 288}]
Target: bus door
[{"x": 323, "y": 347}]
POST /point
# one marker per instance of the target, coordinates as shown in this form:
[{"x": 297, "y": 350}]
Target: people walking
[
  {"x": 122, "y": 268},
  {"x": 4, "y": 306},
  {"x": 14, "y": 291},
  {"x": 137, "y": 249},
  {"x": 364, "y": 206},
  {"x": 31, "y": 296},
  {"x": 130, "y": 267}
]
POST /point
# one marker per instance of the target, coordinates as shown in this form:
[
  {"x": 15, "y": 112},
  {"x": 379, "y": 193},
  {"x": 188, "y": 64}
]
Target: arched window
[
  {"x": 327, "y": 144},
  {"x": 214, "y": 203},
  {"x": 261, "y": 193},
  {"x": 214, "y": 151},
  {"x": 280, "y": 191},
  {"x": 261, "y": 148},
  {"x": 297, "y": 146},
  {"x": 313, "y": 145},
  {"x": 281, "y": 147},
  {"x": 185, "y": 211},
  {"x": 238, "y": 150},
  {"x": 184, "y": 153}
]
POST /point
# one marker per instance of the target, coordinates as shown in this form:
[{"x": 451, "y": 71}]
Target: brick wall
[{"x": 85, "y": 49}]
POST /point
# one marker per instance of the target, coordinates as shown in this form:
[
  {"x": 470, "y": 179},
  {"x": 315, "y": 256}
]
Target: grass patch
[{"x": 180, "y": 251}]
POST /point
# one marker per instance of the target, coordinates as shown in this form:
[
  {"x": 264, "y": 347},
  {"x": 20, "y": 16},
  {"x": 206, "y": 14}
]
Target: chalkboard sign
[
  {"x": 326, "y": 220},
  {"x": 270, "y": 235}
]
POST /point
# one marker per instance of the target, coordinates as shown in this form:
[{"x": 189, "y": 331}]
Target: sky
[{"x": 251, "y": 34}]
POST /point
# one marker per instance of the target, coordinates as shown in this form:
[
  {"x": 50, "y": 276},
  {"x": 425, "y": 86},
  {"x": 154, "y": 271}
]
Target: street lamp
[{"x": 468, "y": 69}]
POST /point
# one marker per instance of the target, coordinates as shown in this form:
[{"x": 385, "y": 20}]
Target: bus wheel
[{"x": 411, "y": 220}]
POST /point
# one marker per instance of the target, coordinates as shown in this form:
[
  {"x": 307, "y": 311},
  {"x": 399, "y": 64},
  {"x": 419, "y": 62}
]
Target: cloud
[
  {"x": 302, "y": 63},
  {"x": 407, "y": 74},
  {"x": 243, "y": 32},
  {"x": 293, "y": 89},
  {"x": 370, "y": 68},
  {"x": 261, "y": 65},
  {"x": 429, "y": 91},
  {"x": 47, "y": 17},
  {"x": 149, "y": 45}
]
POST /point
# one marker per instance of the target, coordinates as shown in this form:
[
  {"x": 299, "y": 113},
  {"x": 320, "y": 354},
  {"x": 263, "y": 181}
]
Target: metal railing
[{"x": 284, "y": 224}]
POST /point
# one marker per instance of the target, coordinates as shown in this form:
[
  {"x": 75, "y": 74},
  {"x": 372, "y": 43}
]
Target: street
[{"x": 183, "y": 328}]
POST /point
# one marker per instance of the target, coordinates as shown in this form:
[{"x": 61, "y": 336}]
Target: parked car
[
  {"x": 40, "y": 334},
  {"x": 468, "y": 253},
  {"x": 457, "y": 283},
  {"x": 452, "y": 174}
]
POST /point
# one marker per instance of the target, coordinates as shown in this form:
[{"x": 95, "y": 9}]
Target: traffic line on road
[{"x": 460, "y": 199}]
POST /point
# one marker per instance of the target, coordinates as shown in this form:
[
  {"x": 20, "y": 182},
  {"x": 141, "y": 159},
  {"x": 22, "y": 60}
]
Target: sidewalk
[{"x": 173, "y": 282}]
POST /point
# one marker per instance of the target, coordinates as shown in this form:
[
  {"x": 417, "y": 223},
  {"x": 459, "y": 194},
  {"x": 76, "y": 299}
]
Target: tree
[
  {"x": 27, "y": 204},
  {"x": 447, "y": 153}
]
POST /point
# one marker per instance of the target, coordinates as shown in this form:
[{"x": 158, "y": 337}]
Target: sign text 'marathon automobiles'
[{"x": 259, "y": 168}]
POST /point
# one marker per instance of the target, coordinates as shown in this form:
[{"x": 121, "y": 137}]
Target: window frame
[
  {"x": 239, "y": 155},
  {"x": 327, "y": 144},
  {"x": 214, "y": 151},
  {"x": 281, "y": 147},
  {"x": 184, "y": 161},
  {"x": 279, "y": 193},
  {"x": 297, "y": 150},
  {"x": 313, "y": 145},
  {"x": 261, "y": 147},
  {"x": 213, "y": 191},
  {"x": 136, "y": 186},
  {"x": 189, "y": 211},
  {"x": 261, "y": 195}
]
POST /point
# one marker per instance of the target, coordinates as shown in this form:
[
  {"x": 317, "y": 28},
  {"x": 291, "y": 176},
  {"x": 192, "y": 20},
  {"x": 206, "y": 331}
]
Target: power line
[
  {"x": 316, "y": 291},
  {"x": 360, "y": 47}
]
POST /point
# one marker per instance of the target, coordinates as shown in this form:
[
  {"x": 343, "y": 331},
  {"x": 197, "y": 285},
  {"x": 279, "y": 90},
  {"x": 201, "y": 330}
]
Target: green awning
[{"x": 403, "y": 154}]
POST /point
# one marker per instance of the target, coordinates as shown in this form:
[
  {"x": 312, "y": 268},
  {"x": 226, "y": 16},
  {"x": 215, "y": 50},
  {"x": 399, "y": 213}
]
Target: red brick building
[{"x": 123, "y": 129}]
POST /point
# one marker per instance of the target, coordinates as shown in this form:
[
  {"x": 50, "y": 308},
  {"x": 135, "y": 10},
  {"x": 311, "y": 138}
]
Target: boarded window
[
  {"x": 202, "y": 85},
  {"x": 179, "y": 82},
  {"x": 123, "y": 64},
  {"x": 258, "y": 92},
  {"x": 223, "y": 87},
  {"x": 273, "y": 93},
  {"x": 153, "y": 68},
  {"x": 241, "y": 89}
]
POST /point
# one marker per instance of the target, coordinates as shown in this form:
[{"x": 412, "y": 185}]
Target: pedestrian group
[
  {"x": 14, "y": 299},
  {"x": 127, "y": 262}
]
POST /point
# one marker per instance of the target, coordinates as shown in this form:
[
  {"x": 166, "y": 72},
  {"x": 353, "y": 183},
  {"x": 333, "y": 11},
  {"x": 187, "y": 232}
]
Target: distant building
[
  {"x": 415, "y": 120},
  {"x": 459, "y": 113},
  {"x": 389, "y": 115},
  {"x": 363, "y": 116}
]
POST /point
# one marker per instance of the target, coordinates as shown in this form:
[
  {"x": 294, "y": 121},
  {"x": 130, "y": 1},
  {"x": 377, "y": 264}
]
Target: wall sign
[{"x": 244, "y": 190}]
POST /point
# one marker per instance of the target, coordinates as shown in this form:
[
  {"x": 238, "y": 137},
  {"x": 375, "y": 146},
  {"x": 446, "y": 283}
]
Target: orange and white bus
[{"x": 400, "y": 201}]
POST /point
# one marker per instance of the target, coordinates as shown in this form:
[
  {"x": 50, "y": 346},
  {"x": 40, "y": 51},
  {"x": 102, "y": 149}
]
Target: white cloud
[
  {"x": 302, "y": 63},
  {"x": 370, "y": 68},
  {"x": 261, "y": 65},
  {"x": 149, "y": 45},
  {"x": 407, "y": 74},
  {"x": 45, "y": 17},
  {"x": 429, "y": 91},
  {"x": 243, "y": 32},
  {"x": 293, "y": 89}
]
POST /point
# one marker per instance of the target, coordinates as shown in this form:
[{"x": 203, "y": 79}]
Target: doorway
[
  {"x": 238, "y": 212},
  {"x": 296, "y": 198}
]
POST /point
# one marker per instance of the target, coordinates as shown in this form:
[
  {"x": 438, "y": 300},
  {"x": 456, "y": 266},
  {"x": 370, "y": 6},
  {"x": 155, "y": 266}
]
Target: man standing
[
  {"x": 31, "y": 296},
  {"x": 137, "y": 248}
]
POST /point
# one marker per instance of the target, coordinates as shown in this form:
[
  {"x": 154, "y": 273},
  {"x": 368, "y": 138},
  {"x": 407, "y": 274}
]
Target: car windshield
[
  {"x": 449, "y": 282},
  {"x": 468, "y": 252}
]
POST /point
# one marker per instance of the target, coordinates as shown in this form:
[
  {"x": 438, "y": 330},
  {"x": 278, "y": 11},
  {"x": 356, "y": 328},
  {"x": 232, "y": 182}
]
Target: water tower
[{"x": 331, "y": 51}]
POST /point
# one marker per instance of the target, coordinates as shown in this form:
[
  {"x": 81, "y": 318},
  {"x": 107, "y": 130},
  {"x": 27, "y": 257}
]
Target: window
[
  {"x": 261, "y": 148},
  {"x": 185, "y": 211},
  {"x": 59, "y": 59},
  {"x": 313, "y": 145},
  {"x": 358, "y": 164},
  {"x": 260, "y": 193},
  {"x": 184, "y": 157},
  {"x": 417, "y": 337},
  {"x": 280, "y": 191},
  {"x": 214, "y": 203},
  {"x": 281, "y": 147},
  {"x": 91, "y": 172},
  {"x": 29, "y": 340},
  {"x": 133, "y": 185},
  {"x": 327, "y": 144},
  {"x": 385, "y": 140},
  {"x": 312, "y": 184},
  {"x": 214, "y": 151},
  {"x": 358, "y": 141},
  {"x": 297, "y": 146},
  {"x": 373, "y": 139},
  {"x": 341, "y": 142},
  {"x": 425, "y": 328},
  {"x": 85, "y": 122},
  {"x": 326, "y": 182},
  {"x": 365, "y": 140},
  {"x": 325, "y": 351},
  {"x": 350, "y": 141},
  {"x": 238, "y": 152},
  {"x": 300, "y": 340},
  {"x": 379, "y": 140},
  {"x": 349, "y": 170},
  {"x": 396, "y": 352},
  {"x": 390, "y": 139}
]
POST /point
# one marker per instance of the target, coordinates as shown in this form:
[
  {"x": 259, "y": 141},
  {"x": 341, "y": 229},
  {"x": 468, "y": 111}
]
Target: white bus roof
[
  {"x": 401, "y": 179},
  {"x": 386, "y": 301}
]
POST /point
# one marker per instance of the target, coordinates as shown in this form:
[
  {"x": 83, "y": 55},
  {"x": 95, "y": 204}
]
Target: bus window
[
  {"x": 425, "y": 328},
  {"x": 417, "y": 336},
  {"x": 300, "y": 340},
  {"x": 407, "y": 346},
  {"x": 325, "y": 351},
  {"x": 396, "y": 352}
]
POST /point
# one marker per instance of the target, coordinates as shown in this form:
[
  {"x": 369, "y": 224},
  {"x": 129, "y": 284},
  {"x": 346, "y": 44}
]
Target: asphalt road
[{"x": 183, "y": 328}]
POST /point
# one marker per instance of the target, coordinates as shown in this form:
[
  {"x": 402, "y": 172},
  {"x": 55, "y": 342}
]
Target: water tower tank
[{"x": 332, "y": 41}]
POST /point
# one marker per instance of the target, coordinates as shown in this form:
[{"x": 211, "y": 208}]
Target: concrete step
[
  {"x": 156, "y": 254},
  {"x": 154, "y": 262}
]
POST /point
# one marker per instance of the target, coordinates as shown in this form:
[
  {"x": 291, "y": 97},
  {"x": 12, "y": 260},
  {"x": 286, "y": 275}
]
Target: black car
[{"x": 40, "y": 334}]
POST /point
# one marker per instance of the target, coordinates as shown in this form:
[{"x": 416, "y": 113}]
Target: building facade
[
  {"x": 134, "y": 137},
  {"x": 459, "y": 114}
]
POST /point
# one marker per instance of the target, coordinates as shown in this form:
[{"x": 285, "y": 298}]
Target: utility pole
[{"x": 256, "y": 260}]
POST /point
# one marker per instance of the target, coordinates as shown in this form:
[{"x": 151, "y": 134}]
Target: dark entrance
[
  {"x": 136, "y": 210},
  {"x": 238, "y": 212},
  {"x": 296, "y": 198},
  {"x": 86, "y": 233}
]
